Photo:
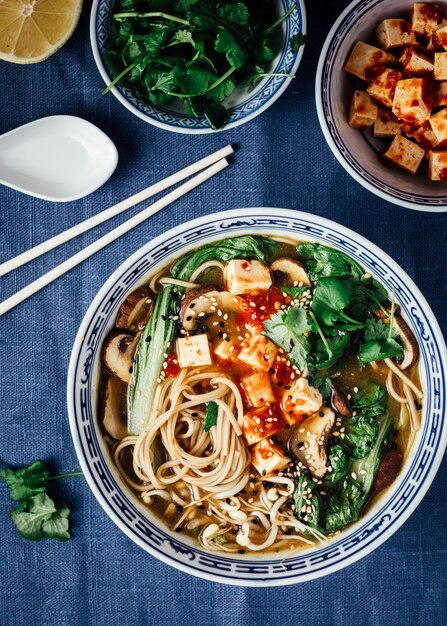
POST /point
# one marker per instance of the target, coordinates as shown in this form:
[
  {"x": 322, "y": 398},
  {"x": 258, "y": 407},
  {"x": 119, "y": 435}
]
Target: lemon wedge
[{"x": 32, "y": 30}]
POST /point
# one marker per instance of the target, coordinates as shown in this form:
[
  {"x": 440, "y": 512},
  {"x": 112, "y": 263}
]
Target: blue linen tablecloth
[{"x": 100, "y": 577}]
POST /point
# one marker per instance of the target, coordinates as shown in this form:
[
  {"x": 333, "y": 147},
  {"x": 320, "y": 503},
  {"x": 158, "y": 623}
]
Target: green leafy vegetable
[
  {"x": 37, "y": 516},
  {"x": 338, "y": 460},
  {"x": 323, "y": 384},
  {"x": 210, "y": 415},
  {"x": 286, "y": 329},
  {"x": 323, "y": 261},
  {"x": 307, "y": 501},
  {"x": 345, "y": 505},
  {"x": 326, "y": 347},
  {"x": 380, "y": 342},
  {"x": 295, "y": 292},
  {"x": 296, "y": 41},
  {"x": 158, "y": 334},
  {"x": 370, "y": 401},
  {"x": 366, "y": 468},
  {"x": 362, "y": 429},
  {"x": 154, "y": 45},
  {"x": 330, "y": 298}
]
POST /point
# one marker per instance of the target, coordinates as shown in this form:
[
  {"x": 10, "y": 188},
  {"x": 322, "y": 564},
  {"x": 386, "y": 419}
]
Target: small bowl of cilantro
[{"x": 196, "y": 66}]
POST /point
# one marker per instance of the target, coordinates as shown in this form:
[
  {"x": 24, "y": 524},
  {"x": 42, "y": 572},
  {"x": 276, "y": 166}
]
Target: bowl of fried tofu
[{"x": 381, "y": 93}]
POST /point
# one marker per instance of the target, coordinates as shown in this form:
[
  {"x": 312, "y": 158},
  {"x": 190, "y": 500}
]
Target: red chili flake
[{"x": 172, "y": 368}]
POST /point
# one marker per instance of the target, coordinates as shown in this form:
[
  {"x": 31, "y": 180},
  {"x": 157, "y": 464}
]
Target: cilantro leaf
[
  {"x": 236, "y": 13},
  {"x": 225, "y": 42},
  {"x": 330, "y": 298},
  {"x": 221, "y": 91},
  {"x": 210, "y": 415},
  {"x": 26, "y": 481},
  {"x": 38, "y": 517},
  {"x": 286, "y": 329},
  {"x": 296, "y": 41},
  {"x": 370, "y": 401},
  {"x": 379, "y": 350},
  {"x": 216, "y": 114},
  {"x": 323, "y": 384},
  {"x": 198, "y": 80}
]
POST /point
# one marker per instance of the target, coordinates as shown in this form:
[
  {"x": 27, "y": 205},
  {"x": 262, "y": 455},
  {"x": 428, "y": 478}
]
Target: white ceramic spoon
[{"x": 57, "y": 158}]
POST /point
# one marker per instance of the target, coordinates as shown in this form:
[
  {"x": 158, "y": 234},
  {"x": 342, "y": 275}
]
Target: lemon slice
[{"x": 32, "y": 30}]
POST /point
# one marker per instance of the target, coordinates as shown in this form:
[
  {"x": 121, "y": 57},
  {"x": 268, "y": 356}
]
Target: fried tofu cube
[
  {"x": 394, "y": 33},
  {"x": 383, "y": 86},
  {"x": 268, "y": 458},
  {"x": 363, "y": 111},
  {"x": 247, "y": 277},
  {"x": 424, "y": 135},
  {"x": 258, "y": 389},
  {"x": 386, "y": 125},
  {"x": 440, "y": 94},
  {"x": 365, "y": 60},
  {"x": 226, "y": 349},
  {"x": 300, "y": 400},
  {"x": 260, "y": 423},
  {"x": 440, "y": 67},
  {"x": 193, "y": 351},
  {"x": 437, "y": 165},
  {"x": 412, "y": 100},
  {"x": 425, "y": 17},
  {"x": 405, "y": 154},
  {"x": 439, "y": 37},
  {"x": 416, "y": 62},
  {"x": 258, "y": 352},
  {"x": 438, "y": 122}
]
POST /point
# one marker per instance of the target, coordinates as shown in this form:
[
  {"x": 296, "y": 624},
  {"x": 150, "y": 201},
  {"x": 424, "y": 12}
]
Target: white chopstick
[
  {"x": 47, "y": 278},
  {"x": 89, "y": 223}
]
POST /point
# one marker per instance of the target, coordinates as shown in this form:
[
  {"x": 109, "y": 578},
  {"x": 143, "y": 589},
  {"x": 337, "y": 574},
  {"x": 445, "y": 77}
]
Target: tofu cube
[
  {"x": 363, "y": 111},
  {"x": 416, "y": 62},
  {"x": 439, "y": 37},
  {"x": 268, "y": 458},
  {"x": 300, "y": 400},
  {"x": 394, "y": 33},
  {"x": 386, "y": 125},
  {"x": 405, "y": 154},
  {"x": 437, "y": 165},
  {"x": 258, "y": 352},
  {"x": 412, "y": 100},
  {"x": 258, "y": 389},
  {"x": 227, "y": 350},
  {"x": 247, "y": 277},
  {"x": 438, "y": 122},
  {"x": 440, "y": 68},
  {"x": 258, "y": 424},
  {"x": 424, "y": 135},
  {"x": 440, "y": 94},
  {"x": 425, "y": 16},
  {"x": 193, "y": 351},
  {"x": 366, "y": 60},
  {"x": 383, "y": 86}
]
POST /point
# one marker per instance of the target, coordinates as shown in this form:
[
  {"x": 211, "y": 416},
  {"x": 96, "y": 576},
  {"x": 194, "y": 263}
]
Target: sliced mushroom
[
  {"x": 206, "y": 301},
  {"x": 339, "y": 400},
  {"x": 388, "y": 469},
  {"x": 118, "y": 353},
  {"x": 293, "y": 270},
  {"x": 114, "y": 412},
  {"x": 135, "y": 310},
  {"x": 409, "y": 343},
  {"x": 308, "y": 442}
]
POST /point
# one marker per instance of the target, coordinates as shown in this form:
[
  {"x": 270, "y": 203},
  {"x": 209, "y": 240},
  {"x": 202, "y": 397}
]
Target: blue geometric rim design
[
  {"x": 387, "y": 515},
  {"x": 331, "y": 67},
  {"x": 254, "y": 102}
]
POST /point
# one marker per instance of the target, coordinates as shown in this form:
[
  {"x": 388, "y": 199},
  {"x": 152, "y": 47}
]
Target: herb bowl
[
  {"x": 385, "y": 515},
  {"x": 243, "y": 105},
  {"x": 356, "y": 151}
]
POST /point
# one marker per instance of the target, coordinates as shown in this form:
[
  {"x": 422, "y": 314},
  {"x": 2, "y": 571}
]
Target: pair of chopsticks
[{"x": 201, "y": 171}]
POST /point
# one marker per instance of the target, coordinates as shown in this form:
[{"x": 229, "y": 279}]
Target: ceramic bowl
[
  {"x": 358, "y": 151},
  {"x": 384, "y": 517},
  {"x": 243, "y": 106}
]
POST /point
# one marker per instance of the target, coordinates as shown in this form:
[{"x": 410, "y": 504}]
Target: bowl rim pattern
[{"x": 385, "y": 517}]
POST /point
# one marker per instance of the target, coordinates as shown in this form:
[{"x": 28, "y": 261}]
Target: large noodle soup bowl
[{"x": 382, "y": 519}]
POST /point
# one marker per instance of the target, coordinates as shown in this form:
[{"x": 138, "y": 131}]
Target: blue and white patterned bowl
[
  {"x": 243, "y": 106},
  {"x": 357, "y": 151},
  {"x": 387, "y": 514}
]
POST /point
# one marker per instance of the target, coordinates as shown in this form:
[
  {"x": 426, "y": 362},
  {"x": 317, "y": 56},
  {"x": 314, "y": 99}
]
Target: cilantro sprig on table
[
  {"x": 37, "y": 516},
  {"x": 194, "y": 51}
]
